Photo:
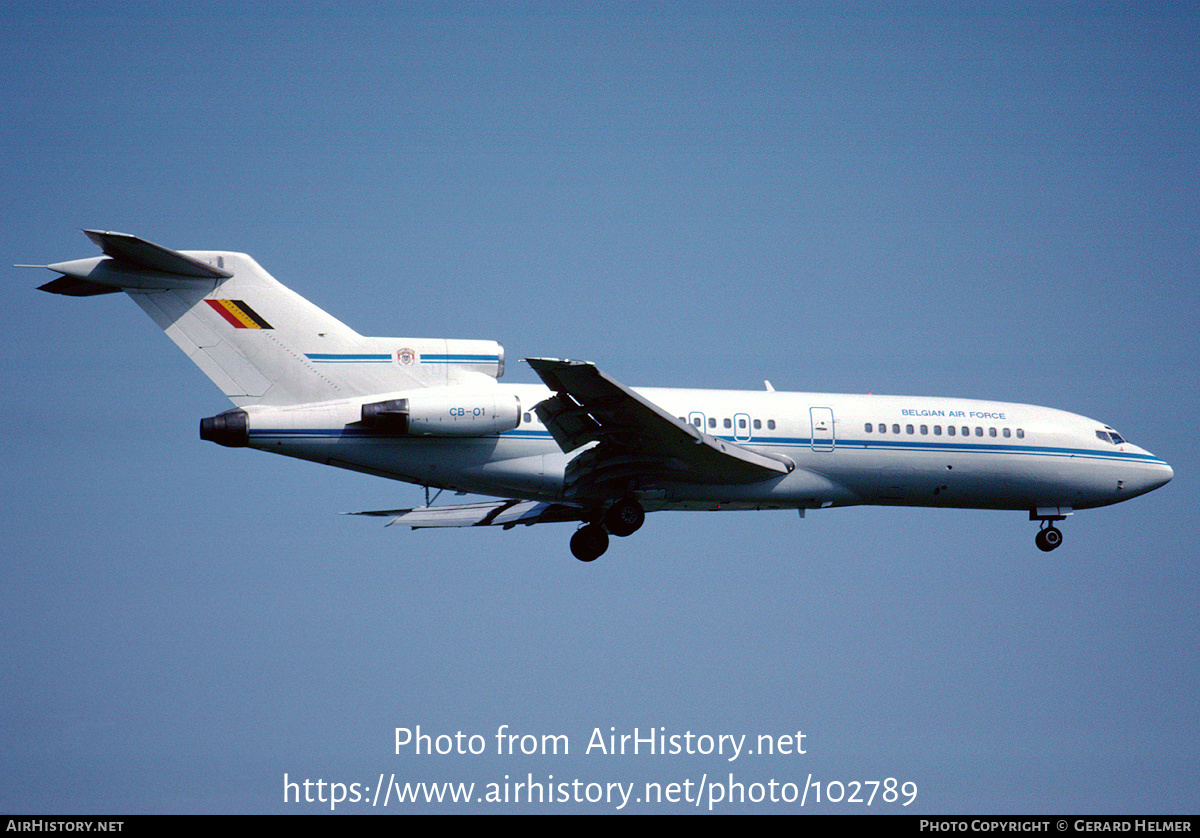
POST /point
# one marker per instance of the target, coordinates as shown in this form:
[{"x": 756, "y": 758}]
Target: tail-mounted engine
[
  {"x": 445, "y": 411},
  {"x": 433, "y": 411},
  {"x": 231, "y": 429}
]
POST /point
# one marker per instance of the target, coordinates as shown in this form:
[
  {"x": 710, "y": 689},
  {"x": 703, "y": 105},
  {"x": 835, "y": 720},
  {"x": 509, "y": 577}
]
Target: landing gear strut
[{"x": 1048, "y": 538}]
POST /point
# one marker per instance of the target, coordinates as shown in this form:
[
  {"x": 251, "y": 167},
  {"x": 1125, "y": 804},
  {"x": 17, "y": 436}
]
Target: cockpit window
[{"x": 1110, "y": 436}]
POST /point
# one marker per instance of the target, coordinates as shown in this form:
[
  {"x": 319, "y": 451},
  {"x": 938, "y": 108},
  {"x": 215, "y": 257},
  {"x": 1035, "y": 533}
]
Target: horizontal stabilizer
[
  {"x": 505, "y": 513},
  {"x": 153, "y": 257},
  {"x": 73, "y": 286}
]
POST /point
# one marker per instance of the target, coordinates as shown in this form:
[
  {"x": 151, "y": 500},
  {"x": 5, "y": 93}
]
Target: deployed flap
[
  {"x": 506, "y": 513},
  {"x": 638, "y": 439},
  {"x": 134, "y": 251}
]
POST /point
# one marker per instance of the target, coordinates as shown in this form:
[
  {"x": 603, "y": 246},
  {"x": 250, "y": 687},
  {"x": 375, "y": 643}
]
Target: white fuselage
[
  {"x": 581, "y": 446},
  {"x": 848, "y": 449}
]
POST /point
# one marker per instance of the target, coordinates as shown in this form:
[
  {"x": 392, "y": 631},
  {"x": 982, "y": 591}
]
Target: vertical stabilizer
[{"x": 258, "y": 341}]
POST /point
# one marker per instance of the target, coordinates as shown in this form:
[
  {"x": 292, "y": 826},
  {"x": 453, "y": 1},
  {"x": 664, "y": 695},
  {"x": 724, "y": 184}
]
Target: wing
[
  {"x": 639, "y": 442},
  {"x": 505, "y": 513}
]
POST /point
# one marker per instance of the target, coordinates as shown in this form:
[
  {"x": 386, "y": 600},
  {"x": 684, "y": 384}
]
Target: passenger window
[
  {"x": 757, "y": 424},
  {"x": 712, "y": 422},
  {"x": 895, "y": 429},
  {"x": 991, "y": 431},
  {"x": 728, "y": 424},
  {"x": 867, "y": 427},
  {"x": 770, "y": 424},
  {"x": 1007, "y": 433},
  {"x": 978, "y": 431},
  {"x": 950, "y": 430},
  {"x": 1020, "y": 434},
  {"x": 527, "y": 418},
  {"x": 741, "y": 423},
  {"x": 937, "y": 430},
  {"x": 696, "y": 422},
  {"x": 924, "y": 430},
  {"x": 908, "y": 429}
]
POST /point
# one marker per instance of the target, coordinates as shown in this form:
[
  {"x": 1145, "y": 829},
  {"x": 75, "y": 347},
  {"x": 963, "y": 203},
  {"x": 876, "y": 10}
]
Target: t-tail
[
  {"x": 259, "y": 342},
  {"x": 267, "y": 347}
]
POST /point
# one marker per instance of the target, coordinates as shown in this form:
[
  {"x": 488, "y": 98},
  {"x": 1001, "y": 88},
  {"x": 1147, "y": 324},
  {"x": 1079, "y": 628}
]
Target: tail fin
[{"x": 259, "y": 342}]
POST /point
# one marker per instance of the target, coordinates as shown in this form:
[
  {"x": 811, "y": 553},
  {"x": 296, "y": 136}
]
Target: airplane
[{"x": 583, "y": 447}]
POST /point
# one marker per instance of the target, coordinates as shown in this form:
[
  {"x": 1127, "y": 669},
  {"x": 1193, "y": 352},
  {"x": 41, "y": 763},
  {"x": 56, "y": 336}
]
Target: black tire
[
  {"x": 589, "y": 543},
  {"x": 625, "y": 517},
  {"x": 1048, "y": 539}
]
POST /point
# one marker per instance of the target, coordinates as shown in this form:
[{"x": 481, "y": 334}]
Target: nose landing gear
[{"x": 1048, "y": 538}]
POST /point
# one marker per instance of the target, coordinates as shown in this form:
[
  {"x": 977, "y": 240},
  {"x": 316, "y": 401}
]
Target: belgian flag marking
[{"x": 239, "y": 314}]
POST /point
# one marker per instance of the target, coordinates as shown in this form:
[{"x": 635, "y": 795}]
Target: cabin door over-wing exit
[{"x": 822, "y": 428}]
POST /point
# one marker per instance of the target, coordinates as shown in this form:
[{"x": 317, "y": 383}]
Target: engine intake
[{"x": 391, "y": 415}]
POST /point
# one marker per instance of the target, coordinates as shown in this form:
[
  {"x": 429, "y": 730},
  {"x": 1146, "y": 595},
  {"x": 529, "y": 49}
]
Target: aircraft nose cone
[
  {"x": 1145, "y": 476},
  {"x": 1164, "y": 476},
  {"x": 1154, "y": 475}
]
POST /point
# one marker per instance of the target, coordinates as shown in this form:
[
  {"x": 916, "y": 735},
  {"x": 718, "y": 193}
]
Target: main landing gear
[
  {"x": 625, "y": 517},
  {"x": 589, "y": 542},
  {"x": 1048, "y": 538}
]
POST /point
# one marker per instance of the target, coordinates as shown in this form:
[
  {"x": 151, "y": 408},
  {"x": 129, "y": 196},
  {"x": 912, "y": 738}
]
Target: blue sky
[{"x": 941, "y": 199}]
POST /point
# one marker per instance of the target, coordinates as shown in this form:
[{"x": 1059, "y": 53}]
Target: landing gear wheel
[
  {"x": 589, "y": 543},
  {"x": 1049, "y": 538},
  {"x": 625, "y": 517}
]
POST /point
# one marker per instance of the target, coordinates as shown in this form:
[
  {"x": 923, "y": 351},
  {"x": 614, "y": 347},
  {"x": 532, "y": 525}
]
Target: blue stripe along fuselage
[
  {"x": 758, "y": 442},
  {"x": 379, "y": 358}
]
